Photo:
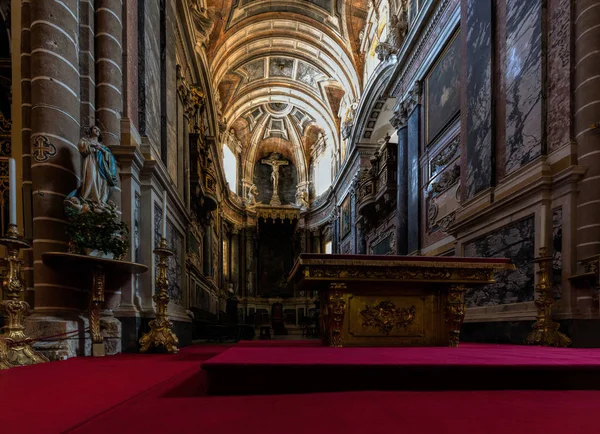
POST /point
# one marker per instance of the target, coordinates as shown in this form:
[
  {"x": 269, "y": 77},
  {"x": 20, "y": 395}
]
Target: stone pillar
[
  {"x": 400, "y": 123},
  {"x": 316, "y": 241},
  {"x": 87, "y": 65},
  {"x": 55, "y": 166},
  {"x": 26, "y": 143},
  {"x": 109, "y": 74},
  {"x": 414, "y": 143},
  {"x": 587, "y": 113},
  {"x": 109, "y": 108}
]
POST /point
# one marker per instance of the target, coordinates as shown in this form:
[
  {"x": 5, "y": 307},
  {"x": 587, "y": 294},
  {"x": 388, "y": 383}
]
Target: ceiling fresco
[{"x": 282, "y": 68}]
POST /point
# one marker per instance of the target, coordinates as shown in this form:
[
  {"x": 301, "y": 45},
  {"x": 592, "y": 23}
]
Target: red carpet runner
[{"x": 159, "y": 393}]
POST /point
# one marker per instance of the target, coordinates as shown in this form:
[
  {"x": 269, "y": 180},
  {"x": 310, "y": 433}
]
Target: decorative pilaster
[
  {"x": 400, "y": 122},
  {"x": 413, "y": 110}
]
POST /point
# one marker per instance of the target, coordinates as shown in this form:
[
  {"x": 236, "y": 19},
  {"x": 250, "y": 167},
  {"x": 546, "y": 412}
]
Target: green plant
[{"x": 100, "y": 231}]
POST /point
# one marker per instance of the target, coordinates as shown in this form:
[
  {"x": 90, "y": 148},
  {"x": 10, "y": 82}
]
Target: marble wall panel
[
  {"x": 173, "y": 113},
  {"x": 557, "y": 261},
  {"x": 516, "y": 242},
  {"x": 479, "y": 97},
  {"x": 152, "y": 72},
  {"x": 523, "y": 82},
  {"x": 559, "y": 73},
  {"x": 413, "y": 217}
]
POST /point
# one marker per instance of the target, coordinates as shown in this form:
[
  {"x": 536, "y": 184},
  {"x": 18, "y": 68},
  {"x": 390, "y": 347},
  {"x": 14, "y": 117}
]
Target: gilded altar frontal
[{"x": 354, "y": 173}]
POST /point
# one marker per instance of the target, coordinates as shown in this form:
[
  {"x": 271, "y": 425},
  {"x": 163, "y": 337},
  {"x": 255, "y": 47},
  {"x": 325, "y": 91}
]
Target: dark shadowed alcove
[{"x": 278, "y": 248}]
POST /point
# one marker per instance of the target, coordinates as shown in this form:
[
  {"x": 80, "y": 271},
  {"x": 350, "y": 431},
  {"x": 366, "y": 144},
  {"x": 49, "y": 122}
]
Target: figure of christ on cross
[{"x": 275, "y": 163}]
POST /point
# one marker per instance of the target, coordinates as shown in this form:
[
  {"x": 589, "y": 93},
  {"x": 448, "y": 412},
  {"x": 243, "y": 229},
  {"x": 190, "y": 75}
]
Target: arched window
[
  {"x": 329, "y": 247},
  {"x": 230, "y": 168},
  {"x": 323, "y": 172}
]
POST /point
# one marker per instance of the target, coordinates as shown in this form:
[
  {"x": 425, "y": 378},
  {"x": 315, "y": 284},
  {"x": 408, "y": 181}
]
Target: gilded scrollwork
[
  {"x": 381, "y": 273},
  {"x": 386, "y": 316},
  {"x": 455, "y": 313},
  {"x": 336, "y": 310}
]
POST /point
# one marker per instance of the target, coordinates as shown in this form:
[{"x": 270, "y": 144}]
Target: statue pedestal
[
  {"x": 99, "y": 269},
  {"x": 275, "y": 200}
]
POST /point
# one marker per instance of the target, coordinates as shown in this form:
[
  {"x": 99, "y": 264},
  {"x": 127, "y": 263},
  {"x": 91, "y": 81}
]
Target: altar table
[{"x": 392, "y": 300}]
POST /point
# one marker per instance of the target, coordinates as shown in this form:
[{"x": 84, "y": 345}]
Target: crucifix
[{"x": 275, "y": 163}]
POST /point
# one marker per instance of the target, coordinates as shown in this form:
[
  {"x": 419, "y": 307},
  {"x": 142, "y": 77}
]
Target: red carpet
[
  {"x": 249, "y": 368},
  {"x": 159, "y": 393}
]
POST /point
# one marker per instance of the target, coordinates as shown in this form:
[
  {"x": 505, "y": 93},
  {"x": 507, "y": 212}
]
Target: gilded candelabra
[
  {"x": 545, "y": 331},
  {"x": 15, "y": 346},
  {"x": 160, "y": 328}
]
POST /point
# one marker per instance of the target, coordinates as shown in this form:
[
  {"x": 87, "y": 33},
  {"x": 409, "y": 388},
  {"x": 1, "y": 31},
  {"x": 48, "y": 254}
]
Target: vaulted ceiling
[{"x": 298, "y": 56}]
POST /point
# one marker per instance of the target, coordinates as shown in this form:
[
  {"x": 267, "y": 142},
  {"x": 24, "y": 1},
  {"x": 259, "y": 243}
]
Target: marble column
[
  {"x": 55, "y": 166},
  {"x": 87, "y": 64},
  {"x": 413, "y": 146},
  {"x": 586, "y": 114},
  {"x": 402, "y": 193},
  {"x": 479, "y": 105},
  {"x": 109, "y": 108},
  {"x": 109, "y": 74}
]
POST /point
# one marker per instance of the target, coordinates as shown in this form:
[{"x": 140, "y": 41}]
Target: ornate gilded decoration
[
  {"x": 3, "y": 355},
  {"x": 385, "y": 273},
  {"x": 15, "y": 348},
  {"x": 455, "y": 312},
  {"x": 161, "y": 333},
  {"x": 336, "y": 310},
  {"x": 432, "y": 286},
  {"x": 277, "y": 213},
  {"x": 5, "y": 124},
  {"x": 98, "y": 285},
  {"x": 475, "y": 274},
  {"x": 545, "y": 331},
  {"x": 386, "y": 316}
]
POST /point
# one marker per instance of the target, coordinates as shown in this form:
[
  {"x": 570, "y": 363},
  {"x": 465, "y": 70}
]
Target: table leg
[
  {"x": 455, "y": 312},
  {"x": 98, "y": 282},
  {"x": 336, "y": 310}
]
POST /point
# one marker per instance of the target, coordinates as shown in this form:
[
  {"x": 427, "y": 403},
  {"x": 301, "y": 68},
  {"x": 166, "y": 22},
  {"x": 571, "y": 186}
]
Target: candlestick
[
  {"x": 161, "y": 333},
  {"x": 12, "y": 176},
  {"x": 544, "y": 218},
  {"x": 545, "y": 331},
  {"x": 16, "y": 348},
  {"x": 164, "y": 215}
]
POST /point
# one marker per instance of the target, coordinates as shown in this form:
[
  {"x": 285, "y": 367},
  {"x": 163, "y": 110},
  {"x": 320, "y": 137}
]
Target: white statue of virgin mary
[{"x": 98, "y": 174}]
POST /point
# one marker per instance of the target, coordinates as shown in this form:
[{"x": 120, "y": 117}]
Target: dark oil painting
[{"x": 442, "y": 99}]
